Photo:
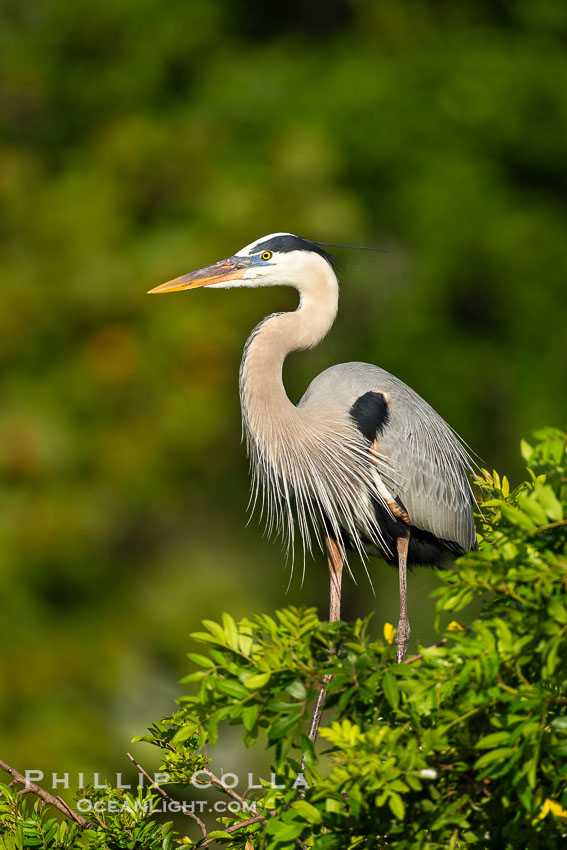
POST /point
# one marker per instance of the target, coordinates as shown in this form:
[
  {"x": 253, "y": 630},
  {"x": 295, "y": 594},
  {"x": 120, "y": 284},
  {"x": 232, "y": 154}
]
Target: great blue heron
[{"x": 370, "y": 466}]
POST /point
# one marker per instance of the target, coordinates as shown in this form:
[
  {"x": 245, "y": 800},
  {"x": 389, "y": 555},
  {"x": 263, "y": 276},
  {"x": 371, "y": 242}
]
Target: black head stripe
[{"x": 288, "y": 242}]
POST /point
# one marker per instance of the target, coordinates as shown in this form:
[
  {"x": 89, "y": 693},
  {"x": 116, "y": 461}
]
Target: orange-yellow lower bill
[{"x": 217, "y": 273}]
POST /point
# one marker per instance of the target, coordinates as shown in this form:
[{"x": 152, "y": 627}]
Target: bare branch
[
  {"x": 551, "y": 525},
  {"x": 230, "y": 791},
  {"x": 56, "y": 802},
  {"x": 167, "y": 797},
  {"x": 241, "y": 824}
]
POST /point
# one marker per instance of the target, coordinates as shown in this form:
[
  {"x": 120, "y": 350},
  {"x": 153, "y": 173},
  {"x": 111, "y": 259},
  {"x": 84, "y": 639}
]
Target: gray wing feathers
[
  {"x": 429, "y": 465},
  {"x": 432, "y": 483}
]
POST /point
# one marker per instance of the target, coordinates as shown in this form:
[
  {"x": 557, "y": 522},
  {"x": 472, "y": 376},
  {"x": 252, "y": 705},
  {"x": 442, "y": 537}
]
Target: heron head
[{"x": 280, "y": 259}]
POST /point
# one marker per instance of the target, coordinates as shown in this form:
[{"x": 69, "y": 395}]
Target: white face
[{"x": 272, "y": 267}]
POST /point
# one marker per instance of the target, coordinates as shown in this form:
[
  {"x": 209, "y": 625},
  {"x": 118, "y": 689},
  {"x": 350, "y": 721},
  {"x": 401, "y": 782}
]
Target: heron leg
[
  {"x": 335, "y": 560},
  {"x": 403, "y": 630}
]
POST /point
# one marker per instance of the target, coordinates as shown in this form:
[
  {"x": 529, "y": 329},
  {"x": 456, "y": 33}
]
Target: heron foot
[{"x": 403, "y": 632}]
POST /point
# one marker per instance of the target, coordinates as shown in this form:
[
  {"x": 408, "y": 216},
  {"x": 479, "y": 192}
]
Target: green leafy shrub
[{"x": 464, "y": 745}]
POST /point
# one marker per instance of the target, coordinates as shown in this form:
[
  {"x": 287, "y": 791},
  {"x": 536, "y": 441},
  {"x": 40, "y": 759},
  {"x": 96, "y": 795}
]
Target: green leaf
[
  {"x": 492, "y": 740},
  {"x": 232, "y": 688},
  {"x": 307, "y": 811},
  {"x": 297, "y": 690},
  {"x": 533, "y": 509},
  {"x": 330, "y": 842},
  {"x": 283, "y": 725},
  {"x": 499, "y": 754},
  {"x": 184, "y": 733},
  {"x": 205, "y": 637},
  {"x": 249, "y": 716},
  {"x": 526, "y": 450},
  {"x": 334, "y": 806},
  {"x": 557, "y": 609},
  {"x": 397, "y": 806},
  {"x": 517, "y": 517},
  {"x": 215, "y": 629},
  {"x": 193, "y": 677},
  {"x": 390, "y": 688},
  {"x": 202, "y": 660},
  {"x": 523, "y": 790},
  {"x": 230, "y": 630},
  {"x": 288, "y": 832},
  {"x": 258, "y": 680},
  {"x": 549, "y": 502}
]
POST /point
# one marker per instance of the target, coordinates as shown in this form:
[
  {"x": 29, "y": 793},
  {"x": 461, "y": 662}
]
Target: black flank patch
[{"x": 370, "y": 414}]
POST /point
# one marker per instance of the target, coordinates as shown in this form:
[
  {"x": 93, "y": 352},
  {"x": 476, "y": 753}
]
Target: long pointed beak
[{"x": 231, "y": 269}]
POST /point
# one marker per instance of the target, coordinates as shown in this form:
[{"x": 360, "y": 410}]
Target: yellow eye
[{"x": 267, "y": 255}]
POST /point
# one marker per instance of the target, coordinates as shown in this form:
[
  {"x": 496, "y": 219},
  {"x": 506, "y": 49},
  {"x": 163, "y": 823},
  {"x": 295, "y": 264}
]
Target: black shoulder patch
[{"x": 370, "y": 414}]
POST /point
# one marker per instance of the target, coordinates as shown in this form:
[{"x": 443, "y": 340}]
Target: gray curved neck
[
  {"x": 263, "y": 396},
  {"x": 308, "y": 457}
]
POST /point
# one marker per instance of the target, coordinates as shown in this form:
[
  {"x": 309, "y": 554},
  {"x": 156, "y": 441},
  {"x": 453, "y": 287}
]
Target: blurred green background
[{"x": 142, "y": 139}]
